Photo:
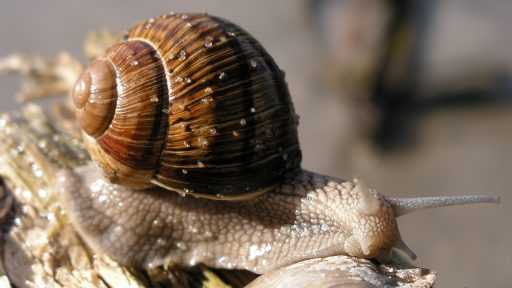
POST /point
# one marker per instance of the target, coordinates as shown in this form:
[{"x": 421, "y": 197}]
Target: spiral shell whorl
[
  {"x": 94, "y": 96},
  {"x": 202, "y": 108}
]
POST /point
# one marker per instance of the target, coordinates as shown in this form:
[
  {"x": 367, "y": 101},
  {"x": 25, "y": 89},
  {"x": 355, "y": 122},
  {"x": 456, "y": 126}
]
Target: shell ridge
[{"x": 166, "y": 102}]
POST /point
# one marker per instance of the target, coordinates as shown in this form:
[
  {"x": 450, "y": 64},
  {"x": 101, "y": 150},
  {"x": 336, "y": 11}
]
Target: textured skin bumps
[{"x": 307, "y": 216}]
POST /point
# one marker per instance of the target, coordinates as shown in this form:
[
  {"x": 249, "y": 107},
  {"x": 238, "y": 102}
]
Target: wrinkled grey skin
[{"x": 307, "y": 216}]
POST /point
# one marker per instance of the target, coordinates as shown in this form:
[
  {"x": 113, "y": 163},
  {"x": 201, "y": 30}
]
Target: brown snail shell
[{"x": 192, "y": 103}]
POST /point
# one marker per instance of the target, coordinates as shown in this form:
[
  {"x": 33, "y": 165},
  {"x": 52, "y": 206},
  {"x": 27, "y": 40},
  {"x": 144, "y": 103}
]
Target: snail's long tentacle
[{"x": 402, "y": 206}]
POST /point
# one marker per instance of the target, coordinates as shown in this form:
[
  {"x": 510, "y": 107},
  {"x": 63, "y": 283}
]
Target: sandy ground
[{"x": 458, "y": 152}]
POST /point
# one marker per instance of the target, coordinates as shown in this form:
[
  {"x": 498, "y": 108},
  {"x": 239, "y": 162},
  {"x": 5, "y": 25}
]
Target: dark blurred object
[
  {"x": 395, "y": 84},
  {"x": 378, "y": 49}
]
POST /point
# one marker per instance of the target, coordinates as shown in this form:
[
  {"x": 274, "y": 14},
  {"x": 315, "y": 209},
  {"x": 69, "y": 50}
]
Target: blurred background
[{"x": 415, "y": 97}]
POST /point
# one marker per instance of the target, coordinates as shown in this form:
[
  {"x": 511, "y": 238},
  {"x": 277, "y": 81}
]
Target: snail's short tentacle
[
  {"x": 402, "y": 246},
  {"x": 402, "y": 206}
]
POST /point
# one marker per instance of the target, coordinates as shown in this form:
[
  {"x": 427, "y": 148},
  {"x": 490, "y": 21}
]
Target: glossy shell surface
[{"x": 193, "y": 104}]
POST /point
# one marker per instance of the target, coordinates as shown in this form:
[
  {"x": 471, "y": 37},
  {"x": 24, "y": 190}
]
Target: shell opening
[{"x": 400, "y": 245}]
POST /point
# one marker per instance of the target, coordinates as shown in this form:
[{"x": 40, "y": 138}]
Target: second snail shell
[{"x": 192, "y": 103}]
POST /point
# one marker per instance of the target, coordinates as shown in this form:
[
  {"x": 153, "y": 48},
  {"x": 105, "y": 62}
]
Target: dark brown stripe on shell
[{"x": 137, "y": 132}]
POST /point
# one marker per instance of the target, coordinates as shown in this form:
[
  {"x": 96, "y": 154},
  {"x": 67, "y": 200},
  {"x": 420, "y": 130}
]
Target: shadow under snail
[{"x": 191, "y": 103}]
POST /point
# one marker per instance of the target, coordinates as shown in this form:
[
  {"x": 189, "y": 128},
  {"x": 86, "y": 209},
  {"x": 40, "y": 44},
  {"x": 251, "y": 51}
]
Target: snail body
[
  {"x": 191, "y": 103},
  {"x": 148, "y": 106},
  {"x": 306, "y": 216}
]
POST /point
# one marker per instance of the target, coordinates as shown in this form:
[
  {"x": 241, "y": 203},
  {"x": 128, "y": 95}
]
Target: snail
[{"x": 191, "y": 103}]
